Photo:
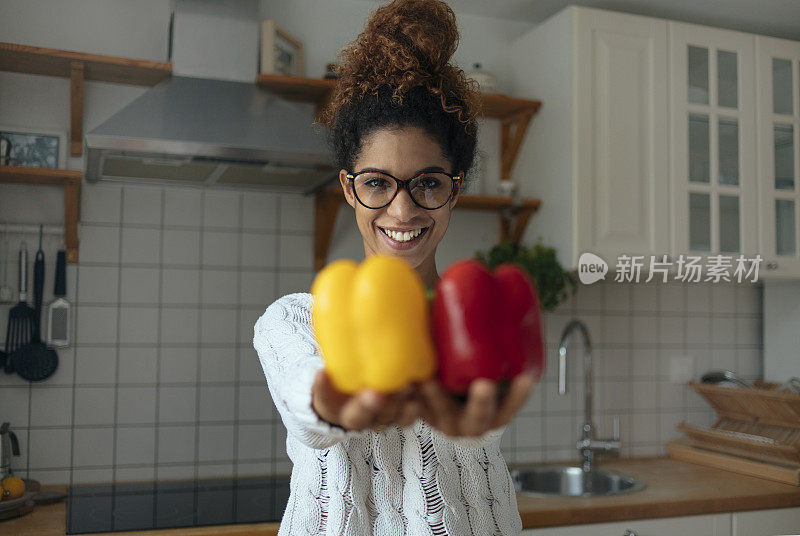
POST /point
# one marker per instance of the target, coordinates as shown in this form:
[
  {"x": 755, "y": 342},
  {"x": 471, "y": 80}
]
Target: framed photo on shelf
[
  {"x": 22, "y": 146},
  {"x": 281, "y": 52}
]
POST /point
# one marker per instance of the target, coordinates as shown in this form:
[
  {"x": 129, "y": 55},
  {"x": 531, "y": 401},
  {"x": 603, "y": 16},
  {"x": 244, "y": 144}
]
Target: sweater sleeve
[
  {"x": 482, "y": 441},
  {"x": 288, "y": 352}
]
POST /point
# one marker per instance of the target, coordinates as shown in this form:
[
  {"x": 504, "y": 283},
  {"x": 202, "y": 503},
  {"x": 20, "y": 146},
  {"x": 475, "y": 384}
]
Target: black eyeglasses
[{"x": 429, "y": 190}]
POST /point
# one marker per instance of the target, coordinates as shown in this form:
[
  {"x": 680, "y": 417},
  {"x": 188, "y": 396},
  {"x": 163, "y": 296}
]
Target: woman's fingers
[
  {"x": 362, "y": 410},
  {"x": 409, "y": 413},
  {"x": 442, "y": 410},
  {"x": 480, "y": 409},
  {"x": 518, "y": 392}
]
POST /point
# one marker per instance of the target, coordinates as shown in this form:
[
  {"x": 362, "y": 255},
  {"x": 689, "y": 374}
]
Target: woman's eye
[
  {"x": 376, "y": 183},
  {"x": 430, "y": 183}
]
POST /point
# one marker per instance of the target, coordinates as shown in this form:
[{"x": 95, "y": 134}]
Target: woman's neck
[{"x": 427, "y": 272}]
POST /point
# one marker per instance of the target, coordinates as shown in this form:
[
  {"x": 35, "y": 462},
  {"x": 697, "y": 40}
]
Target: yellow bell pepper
[{"x": 371, "y": 323}]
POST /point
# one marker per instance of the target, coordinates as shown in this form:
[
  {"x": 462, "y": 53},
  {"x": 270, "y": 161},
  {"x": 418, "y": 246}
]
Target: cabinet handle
[
  {"x": 772, "y": 266},
  {"x": 629, "y": 532}
]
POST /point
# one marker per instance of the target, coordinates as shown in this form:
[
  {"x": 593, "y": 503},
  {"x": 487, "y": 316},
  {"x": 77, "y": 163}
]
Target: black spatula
[
  {"x": 21, "y": 317},
  {"x": 35, "y": 361}
]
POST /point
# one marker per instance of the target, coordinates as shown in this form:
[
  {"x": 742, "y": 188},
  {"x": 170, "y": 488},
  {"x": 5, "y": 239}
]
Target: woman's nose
[{"x": 402, "y": 207}]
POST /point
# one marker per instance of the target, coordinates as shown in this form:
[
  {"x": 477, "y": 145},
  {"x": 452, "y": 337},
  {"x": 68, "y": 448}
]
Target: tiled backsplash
[{"x": 162, "y": 380}]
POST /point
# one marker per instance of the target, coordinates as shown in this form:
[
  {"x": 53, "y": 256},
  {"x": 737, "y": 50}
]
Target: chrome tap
[{"x": 588, "y": 444}]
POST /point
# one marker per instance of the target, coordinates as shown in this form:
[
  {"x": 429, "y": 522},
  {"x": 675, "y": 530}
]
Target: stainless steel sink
[{"x": 567, "y": 481}]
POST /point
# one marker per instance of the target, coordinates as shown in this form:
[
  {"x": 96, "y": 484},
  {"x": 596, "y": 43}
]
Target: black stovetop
[{"x": 176, "y": 503}]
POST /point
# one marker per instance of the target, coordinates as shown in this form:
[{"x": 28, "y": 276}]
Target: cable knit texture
[{"x": 411, "y": 480}]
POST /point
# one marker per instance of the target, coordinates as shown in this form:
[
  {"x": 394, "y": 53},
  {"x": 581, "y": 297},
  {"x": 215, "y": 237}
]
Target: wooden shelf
[
  {"x": 514, "y": 114},
  {"x": 513, "y": 217},
  {"x": 70, "y": 180},
  {"x": 80, "y": 66}
]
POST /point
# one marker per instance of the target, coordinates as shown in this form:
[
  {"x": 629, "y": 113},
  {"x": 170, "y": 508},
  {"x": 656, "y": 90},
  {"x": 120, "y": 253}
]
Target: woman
[{"x": 403, "y": 131}]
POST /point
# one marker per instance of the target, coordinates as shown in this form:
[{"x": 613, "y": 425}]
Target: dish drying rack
[{"x": 757, "y": 432}]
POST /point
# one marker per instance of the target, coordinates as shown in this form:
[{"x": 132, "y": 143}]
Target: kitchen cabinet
[
  {"x": 708, "y": 525},
  {"x": 766, "y": 522},
  {"x": 714, "y": 205},
  {"x": 598, "y": 150},
  {"x": 778, "y": 87}
]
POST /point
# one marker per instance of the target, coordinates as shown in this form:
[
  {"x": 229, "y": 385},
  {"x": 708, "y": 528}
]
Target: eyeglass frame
[{"x": 404, "y": 184}]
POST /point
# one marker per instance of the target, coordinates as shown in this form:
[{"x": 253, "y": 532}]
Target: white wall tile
[
  {"x": 50, "y": 406},
  {"x": 297, "y": 213},
  {"x": 528, "y": 434},
  {"x": 698, "y": 298},
  {"x": 177, "y": 404},
  {"x": 135, "y": 474},
  {"x": 95, "y": 324},
  {"x": 257, "y": 288},
  {"x": 135, "y": 445},
  {"x": 255, "y": 403},
  {"x": 671, "y": 330},
  {"x": 291, "y": 282},
  {"x": 556, "y": 402},
  {"x": 644, "y": 395},
  {"x": 100, "y": 203},
  {"x": 296, "y": 251},
  {"x": 176, "y": 444},
  {"x": 216, "y": 403},
  {"x": 51, "y": 477},
  {"x": 617, "y": 297},
  {"x": 179, "y": 325},
  {"x": 93, "y": 446},
  {"x": 589, "y": 298},
  {"x": 616, "y": 394},
  {"x": 98, "y": 284},
  {"x": 260, "y": 211},
  {"x": 667, "y": 421},
  {"x": 49, "y": 448},
  {"x": 142, "y": 205},
  {"x": 92, "y": 476},
  {"x": 645, "y": 329},
  {"x": 644, "y": 362},
  {"x": 182, "y": 206},
  {"x": 698, "y": 330},
  {"x": 259, "y": 250},
  {"x": 749, "y": 298},
  {"x": 14, "y": 401},
  {"x": 750, "y": 362},
  {"x": 94, "y": 405},
  {"x": 644, "y": 428},
  {"x": 559, "y": 430},
  {"x": 613, "y": 363},
  {"x": 136, "y": 405},
  {"x": 254, "y": 441},
  {"x": 140, "y": 245},
  {"x": 180, "y": 286},
  {"x": 670, "y": 395},
  {"x": 616, "y": 330},
  {"x": 216, "y": 442},
  {"x": 99, "y": 244},
  {"x": 723, "y": 297},
  {"x": 220, "y": 248},
  {"x": 748, "y": 331},
  {"x": 221, "y": 209},
  {"x": 723, "y": 330},
  {"x": 178, "y": 365},
  {"x": 175, "y": 472},
  {"x": 645, "y": 297},
  {"x": 218, "y": 327},
  {"x": 138, "y": 365},
  {"x": 95, "y": 365},
  {"x": 181, "y": 247},
  {"x": 139, "y": 285},
  {"x": 672, "y": 297},
  {"x": 249, "y": 365},
  {"x": 138, "y": 325},
  {"x": 217, "y": 364},
  {"x": 65, "y": 373},
  {"x": 220, "y": 287}
]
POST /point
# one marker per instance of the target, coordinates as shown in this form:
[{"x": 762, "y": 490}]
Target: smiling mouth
[{"x": 403, "y": 237}]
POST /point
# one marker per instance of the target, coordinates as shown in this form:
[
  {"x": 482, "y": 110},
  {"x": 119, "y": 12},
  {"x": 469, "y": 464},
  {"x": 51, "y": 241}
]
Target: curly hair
[{"x": 397, "y": 74}]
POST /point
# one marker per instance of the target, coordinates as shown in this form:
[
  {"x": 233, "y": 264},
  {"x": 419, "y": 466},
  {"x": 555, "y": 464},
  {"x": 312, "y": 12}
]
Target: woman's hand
[
  {"x": 481, "y": 412},
  {"x": 366, "y": 409}
]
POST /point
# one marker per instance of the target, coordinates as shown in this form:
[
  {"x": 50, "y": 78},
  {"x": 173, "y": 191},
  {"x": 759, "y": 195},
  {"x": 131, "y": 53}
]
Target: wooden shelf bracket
[
  {"x": 76, "y": 108},
  {"x": 512, "y": 132}
]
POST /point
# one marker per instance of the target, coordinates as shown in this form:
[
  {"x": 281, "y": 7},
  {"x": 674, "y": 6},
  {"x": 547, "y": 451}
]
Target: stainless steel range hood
[{"x": 211, "y": 132}]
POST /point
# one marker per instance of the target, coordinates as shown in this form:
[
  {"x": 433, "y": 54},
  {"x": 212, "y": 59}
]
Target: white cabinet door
[
  {"x": 775, "y": 522},
  {"x": 714, "y": 201},
  {"x": 778, "y": 63},
  {"x": 619, "y": 128},
  {"x": 707, "y": 525}
]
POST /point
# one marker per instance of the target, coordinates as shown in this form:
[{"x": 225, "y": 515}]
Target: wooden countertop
[{"x": 674, "y": 488}]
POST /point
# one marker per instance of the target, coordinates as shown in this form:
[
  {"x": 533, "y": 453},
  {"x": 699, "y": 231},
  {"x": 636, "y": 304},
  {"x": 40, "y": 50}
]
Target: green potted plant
[{"x": 552, "y": 281}]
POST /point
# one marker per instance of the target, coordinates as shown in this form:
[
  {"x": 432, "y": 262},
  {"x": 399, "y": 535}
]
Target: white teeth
[{"x": 404, "y": 236}]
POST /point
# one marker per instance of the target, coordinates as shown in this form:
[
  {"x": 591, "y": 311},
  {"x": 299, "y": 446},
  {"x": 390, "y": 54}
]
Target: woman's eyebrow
[{"x": 429, "y": 169}]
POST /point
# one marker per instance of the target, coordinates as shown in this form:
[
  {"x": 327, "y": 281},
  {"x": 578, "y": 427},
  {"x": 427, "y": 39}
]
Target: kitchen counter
[{"x": 674, "y": 488}]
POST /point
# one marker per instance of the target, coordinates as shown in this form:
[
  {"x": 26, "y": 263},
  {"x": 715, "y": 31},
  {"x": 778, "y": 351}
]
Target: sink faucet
[{"x": 588, "y": 444}]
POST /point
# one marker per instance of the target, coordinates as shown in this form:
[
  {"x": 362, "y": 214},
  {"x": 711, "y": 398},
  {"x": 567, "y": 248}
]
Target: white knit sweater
[{"x": 411, "y": 480}]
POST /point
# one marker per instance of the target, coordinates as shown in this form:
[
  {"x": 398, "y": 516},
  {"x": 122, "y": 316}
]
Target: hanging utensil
[
  {"x": 35, "y": 361},
  {"x": 58, "y": 311},
  {"x": 21, "y": 316},
  {"x": 6, "y": 292}
]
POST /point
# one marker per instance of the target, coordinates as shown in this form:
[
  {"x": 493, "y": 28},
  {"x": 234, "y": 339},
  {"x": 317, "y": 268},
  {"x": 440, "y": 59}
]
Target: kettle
[{"x": 9, "y": 446}]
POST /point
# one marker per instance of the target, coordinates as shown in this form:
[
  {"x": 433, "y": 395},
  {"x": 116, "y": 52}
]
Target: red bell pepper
[{"x": 486, "y": 325}]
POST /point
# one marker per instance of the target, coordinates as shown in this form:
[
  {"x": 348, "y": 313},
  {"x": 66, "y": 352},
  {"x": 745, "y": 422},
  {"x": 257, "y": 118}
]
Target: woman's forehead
[{"x": 401, "y": 151}]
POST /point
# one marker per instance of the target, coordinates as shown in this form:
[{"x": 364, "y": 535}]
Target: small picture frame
[
  {"x": 281, "y": 52},
  {"x": 22, "y": 146}
]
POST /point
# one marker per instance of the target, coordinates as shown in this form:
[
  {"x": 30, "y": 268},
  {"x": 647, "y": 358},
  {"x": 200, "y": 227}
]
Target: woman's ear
[{"x": 347, "y": 188}]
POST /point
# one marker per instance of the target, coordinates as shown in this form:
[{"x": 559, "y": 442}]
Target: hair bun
[{"x": 405, "y": 44}]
